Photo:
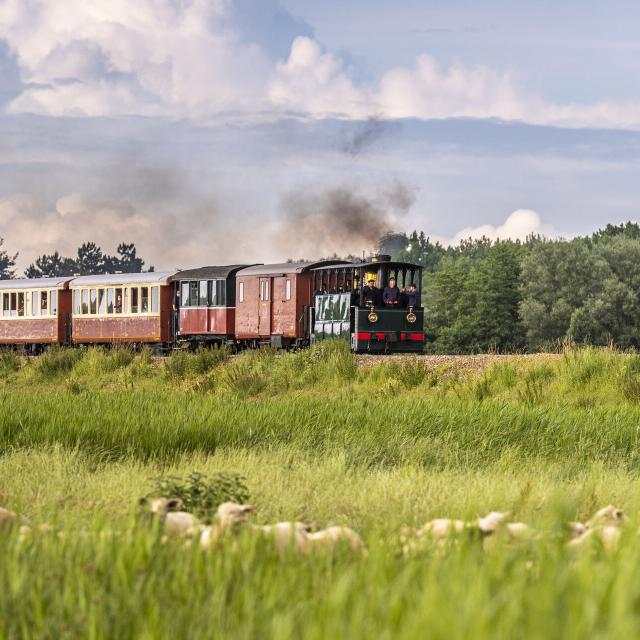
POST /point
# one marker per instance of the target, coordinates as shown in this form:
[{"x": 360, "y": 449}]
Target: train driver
[
  {"x": 391, "y": 295},
  {"x": 371, "y": 294}
]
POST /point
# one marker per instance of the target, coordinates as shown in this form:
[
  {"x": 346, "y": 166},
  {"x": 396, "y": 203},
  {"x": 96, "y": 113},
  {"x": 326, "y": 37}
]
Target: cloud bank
[{"x": 247, "y": 58}]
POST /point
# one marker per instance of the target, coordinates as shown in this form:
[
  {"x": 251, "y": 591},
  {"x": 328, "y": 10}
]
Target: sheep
[
  {"x": 174, "y": 521},
  {"x": 608, "y": 516},
  {"x": 229, "y": 516},
  {"x": 328, "y": 539},
  {"x": 7, "y": 518},
  {"x": 605, "y": 526},
  {"x": 286, "y": 535}
]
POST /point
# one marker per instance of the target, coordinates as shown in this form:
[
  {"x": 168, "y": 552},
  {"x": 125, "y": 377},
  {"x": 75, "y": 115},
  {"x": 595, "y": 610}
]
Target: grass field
[{"x": 323, "y": 440}]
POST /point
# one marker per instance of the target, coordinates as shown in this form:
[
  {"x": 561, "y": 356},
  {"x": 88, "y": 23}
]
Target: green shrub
[
  {"x": 57, "y": 361},
  {"x": 182, "y": 364},
  {"x": 9, "y": 363},
  {"x": 202, "y": 494},
  {"x": 629, "y": 379},
  {"x": 243, "y": 379}
]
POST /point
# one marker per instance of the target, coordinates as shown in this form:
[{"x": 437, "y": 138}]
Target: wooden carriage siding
[
  {"x": 135, "y": 307},
  {"x": 271, "y": 299},
  {"x": 35, "y": 311},
  {"x": 207, "y": 300}
]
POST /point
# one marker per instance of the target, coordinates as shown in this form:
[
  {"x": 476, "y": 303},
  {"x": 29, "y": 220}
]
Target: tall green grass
[{"x": 321, "y": 440}]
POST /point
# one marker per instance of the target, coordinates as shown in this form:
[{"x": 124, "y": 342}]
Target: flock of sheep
[
  {"x": 232, "y": 518},
  {"x": 605, "y": 527}
]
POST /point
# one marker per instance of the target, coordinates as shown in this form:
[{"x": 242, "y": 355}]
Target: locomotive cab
[{"x": 343, "y": 307}]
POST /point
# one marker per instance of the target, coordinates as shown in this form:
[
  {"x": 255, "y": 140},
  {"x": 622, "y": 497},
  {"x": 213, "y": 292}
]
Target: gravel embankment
[{"x": 460, "y": 364}]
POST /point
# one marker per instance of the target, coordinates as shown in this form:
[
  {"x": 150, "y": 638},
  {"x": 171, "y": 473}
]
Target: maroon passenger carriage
[
  {"x": 133, "y": 308},
  {"x": 35, "y": 312},
  {"x": 206, "y": 298}
]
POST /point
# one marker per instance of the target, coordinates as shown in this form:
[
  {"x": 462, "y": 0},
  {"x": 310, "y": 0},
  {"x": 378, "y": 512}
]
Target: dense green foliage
[
  {"x": 90, "y": 260},
  {"x": 534, "y": 295},
  {"x": 7, "y": 263},
  {"x": 323, "y": 440}
]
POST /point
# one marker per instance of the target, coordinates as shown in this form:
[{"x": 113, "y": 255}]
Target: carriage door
[{"x": 264, "y": 310}]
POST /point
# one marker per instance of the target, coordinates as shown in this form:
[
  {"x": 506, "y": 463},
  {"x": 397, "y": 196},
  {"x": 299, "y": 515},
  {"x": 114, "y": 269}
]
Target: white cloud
[
  {"x": 518, "y": 225},
  {"x": 204, "y": 58}
]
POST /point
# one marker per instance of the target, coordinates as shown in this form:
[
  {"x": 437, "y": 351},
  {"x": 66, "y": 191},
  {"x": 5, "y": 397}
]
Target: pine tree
[
  {"x": 51, "y": 265},
  {"x": 90, "y": 261},
  {"x": 7, "y": 263}
]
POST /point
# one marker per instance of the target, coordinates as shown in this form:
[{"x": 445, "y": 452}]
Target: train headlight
[
  {"x": 411, "y": 317},
  {"x": 372, "y": 317}
]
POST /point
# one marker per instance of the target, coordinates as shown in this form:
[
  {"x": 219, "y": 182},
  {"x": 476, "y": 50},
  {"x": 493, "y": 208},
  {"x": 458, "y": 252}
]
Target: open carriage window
[
  {"x": 53, "y": 307},
  {"x": 184, "y": 294},
  {"x": 155, "y": 299}
]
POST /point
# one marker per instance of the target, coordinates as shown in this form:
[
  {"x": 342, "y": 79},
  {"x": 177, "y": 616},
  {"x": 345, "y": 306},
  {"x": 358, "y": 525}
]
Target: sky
[{"x": 223, "y": 131}]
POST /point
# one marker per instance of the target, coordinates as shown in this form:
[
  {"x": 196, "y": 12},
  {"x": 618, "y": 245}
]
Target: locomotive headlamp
[
  {"x": 411, "y": 317},
  {"x": 373, "y": 316}
]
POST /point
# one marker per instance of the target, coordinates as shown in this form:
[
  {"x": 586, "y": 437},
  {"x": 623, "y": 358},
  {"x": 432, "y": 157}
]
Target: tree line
[
  {"x": 480, "y": 295},
  {"x": 527, "y": 296},
  {"x": 89, "y": 260}
]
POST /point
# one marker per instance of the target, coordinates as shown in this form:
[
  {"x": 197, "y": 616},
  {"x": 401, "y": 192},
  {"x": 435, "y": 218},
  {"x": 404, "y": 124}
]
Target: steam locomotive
[{"x": 287, "y": 305}]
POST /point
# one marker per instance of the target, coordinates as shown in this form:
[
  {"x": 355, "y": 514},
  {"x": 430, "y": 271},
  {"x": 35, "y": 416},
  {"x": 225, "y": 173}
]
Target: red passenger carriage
[
  {"x": 35, "y": 312},
  {"x": 131, "y": 308},
  {"x": 207, "y": 301}
]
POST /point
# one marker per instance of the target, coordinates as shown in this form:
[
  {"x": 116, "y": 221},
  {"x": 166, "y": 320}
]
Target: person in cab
[
  {"x": 371, "y": 294},
  {"x": 391, "y": 294},
  {"x": 413, "y": 297}
]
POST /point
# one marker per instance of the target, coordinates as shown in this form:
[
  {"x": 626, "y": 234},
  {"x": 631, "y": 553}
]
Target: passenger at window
[
  {"x": 119, "y": 303},
  {"x": 391, "y": 294},
  {"x": 413, "y": 297},
  {"x": 371, "y": 294}
]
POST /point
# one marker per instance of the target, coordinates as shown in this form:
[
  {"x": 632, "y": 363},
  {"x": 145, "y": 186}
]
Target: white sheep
[
  {"x": 174, "y": 521},
  {"x": 331, "y": 537},
  {"x": 605, "y": 526},
  {"x": 229, "y": 516},
  {"x": 7, "y": 518},
  {"x": 286, "y": 535}
]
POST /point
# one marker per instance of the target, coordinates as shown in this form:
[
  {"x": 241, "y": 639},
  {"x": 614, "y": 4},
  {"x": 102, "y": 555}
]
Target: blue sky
[{"x": 204, "y": 130}]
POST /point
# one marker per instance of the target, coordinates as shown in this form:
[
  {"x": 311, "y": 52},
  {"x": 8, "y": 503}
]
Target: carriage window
[
  {"x": 85, "y": 301},
  {"x": 193, "y": 294},
  {"x": 213, "y": 298},
  {"x": 34, "y": 303},
  {"x": 202, "y": 298},
  {"x": 155, "y": 299},
  {"x": 241, "y": 292},
  {"x": 144, "y": 299},
  {"x": 21, "y": 304},
  {"x": 102, "y": 301},
  {"x": 76, "y": 301},
  {"x": 125, "y": 303},
  {"x": 5, "y": 304},
  {"x": 44, "y": 303},
  {"x": 221, "y": 292},
  {"x": 110, "y": 299},
  {"x": 184, "y": 298},
  {"x": 119, "y": 301},
  {"x": 134, "y": 299},
  {"x": 264, "y": 290},
  {"x": 53, "y": 307},
  {"x": 287, "y": 290},
  {"x": 93, "y": 301},
  {"x": 14, "y": 304}
]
